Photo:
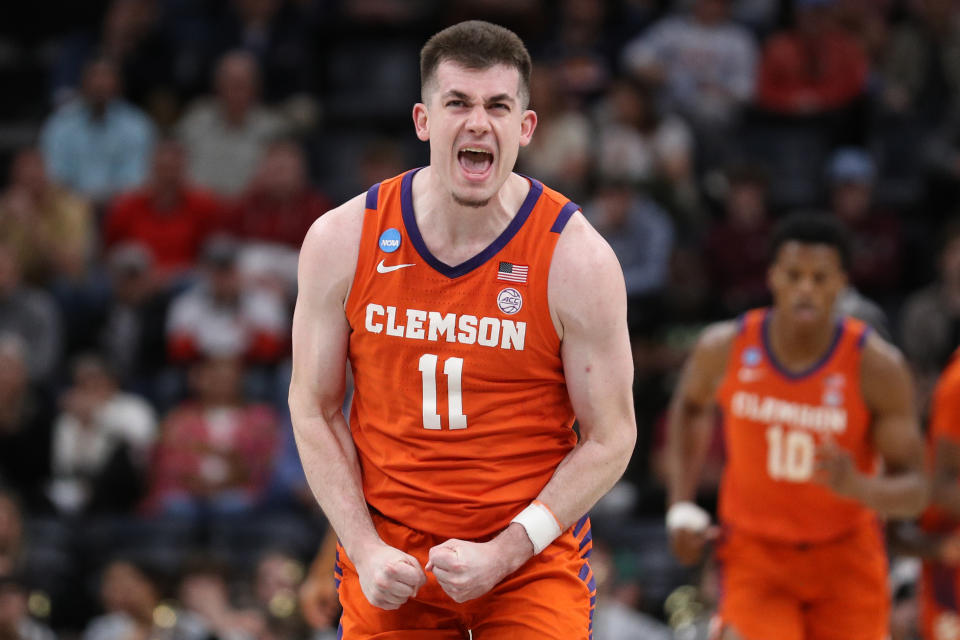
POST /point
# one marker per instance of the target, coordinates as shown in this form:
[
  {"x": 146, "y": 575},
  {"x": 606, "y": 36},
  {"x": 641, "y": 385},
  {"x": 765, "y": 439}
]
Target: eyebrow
[{"x": 500, "y": 97}]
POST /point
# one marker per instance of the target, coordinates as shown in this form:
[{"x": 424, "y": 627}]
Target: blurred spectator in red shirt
[
  {"x": 736, "y": 247},
  {"x": 226, "y": 315},
  {"x": 215, "y": 450},
  {"x": 49, "y": 227},
  {"x": 877, "y": 250},
  {"x": 168, "y": 215},
  {"x": 280, "y": 204},
  {"x": 813, "y": 68}
]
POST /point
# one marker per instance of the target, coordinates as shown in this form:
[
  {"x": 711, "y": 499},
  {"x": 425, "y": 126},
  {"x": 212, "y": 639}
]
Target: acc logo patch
[
  {"x": 390, "y": 240},
  {"x": 751, "y": 357},
  {"x": 509, "y": 300}
]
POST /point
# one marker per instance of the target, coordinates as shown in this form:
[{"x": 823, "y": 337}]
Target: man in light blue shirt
[{"x": 98, "y": 144}]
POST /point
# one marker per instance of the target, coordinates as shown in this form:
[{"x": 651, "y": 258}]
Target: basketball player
[
  {"x": 938, "y": 542},
  {"x": 809, "y": 404},
  {"x": 480, "y": 313}
]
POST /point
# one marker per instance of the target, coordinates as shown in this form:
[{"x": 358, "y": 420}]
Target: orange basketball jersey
[
  {"x": 460, "y": 414},
  {"x": 773, "y": 421},
  {"x": 940, "y": 582}
]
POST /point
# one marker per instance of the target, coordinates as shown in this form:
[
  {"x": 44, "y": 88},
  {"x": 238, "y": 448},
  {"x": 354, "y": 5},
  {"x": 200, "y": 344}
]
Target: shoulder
[
  {"x": 880, "y": 358},
  {"x": 884, "y": 376},
  {"x": 712, "y": 350},
  {"x": 332, "y": 245}
]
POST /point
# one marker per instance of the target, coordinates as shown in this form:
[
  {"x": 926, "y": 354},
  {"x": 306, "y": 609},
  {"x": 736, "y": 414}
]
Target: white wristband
[
  {"x": 687, "y": 515},
  {"x": 540, "y": 524}
]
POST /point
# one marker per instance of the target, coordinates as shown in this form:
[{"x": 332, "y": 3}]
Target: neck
[
  {"x": 460, "y": 231},
  {"x": 798, "y": 347}
]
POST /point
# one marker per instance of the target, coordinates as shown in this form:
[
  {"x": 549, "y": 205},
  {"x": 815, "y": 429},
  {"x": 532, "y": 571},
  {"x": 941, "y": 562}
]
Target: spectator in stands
[
  {"x": 813, "y": 68},
  {"x": 922, "y": 66},
  {"x": 736, "y": 248},
  {"x": 48, "y": 226},
  {"x": 225, "y": 136},
  {"x": 204, "y": 593},
  {"x": 168, "y": 215},
  {"x": 635, "y": 143},
  {"x": 560, "y": 152},
  {"x": 215, "y": 451},
  {"x": 277, "y": 580},
  {"x": 131, "y": 35},
  {"x": 134, "y": 337},
  {"x": 131, "y": 592},
  {"x": 641, "y": 234},
  {"x": 876, "y": 260},
  {"x": 15, "y": 620},
  {"x": 31, "y": 314},
  {"x": 25, "y": 423},
  {"x": 275, "y": 32},
  {"x": 280, "y": 204},
  {"x": 99, "y": 144},
  {"x": 706, "y": 64},
  {"x": 581, "y": 48},
  {"x": 101, "y": 443},
  {"x": 618, "y": 595},
  {"x": 220, "y": 315},
  {"x": 930, "y": 317}
]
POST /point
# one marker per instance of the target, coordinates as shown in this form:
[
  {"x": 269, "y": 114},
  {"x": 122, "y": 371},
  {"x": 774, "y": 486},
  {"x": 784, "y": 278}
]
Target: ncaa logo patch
[
  {"x": 390, "y": 240},
  {"x": 509, "y": 300},
  {"x": 751, "y": 357}
]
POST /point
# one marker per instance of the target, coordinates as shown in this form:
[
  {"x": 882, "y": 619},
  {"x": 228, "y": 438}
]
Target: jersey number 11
[{"x": 453, "y": 369}]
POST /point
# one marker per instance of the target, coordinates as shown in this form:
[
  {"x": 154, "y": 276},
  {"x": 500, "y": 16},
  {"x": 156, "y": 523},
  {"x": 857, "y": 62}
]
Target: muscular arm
[
  {"x": 588, "y": 297},
  {"x": 902, "y": 490},
  {"x": 320, "y": 335},
  {"x": 690, "y": 421}
]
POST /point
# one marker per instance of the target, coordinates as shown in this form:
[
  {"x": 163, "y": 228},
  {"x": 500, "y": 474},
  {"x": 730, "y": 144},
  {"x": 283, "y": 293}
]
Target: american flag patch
[{"x": 512, "y": 272}]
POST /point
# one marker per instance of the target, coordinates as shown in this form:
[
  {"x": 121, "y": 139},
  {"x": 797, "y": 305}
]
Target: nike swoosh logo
[{"x": 382, "y": 268}]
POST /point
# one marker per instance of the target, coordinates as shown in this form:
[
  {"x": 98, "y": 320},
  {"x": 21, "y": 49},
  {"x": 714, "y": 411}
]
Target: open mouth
[{"x": 474, "y": 161}]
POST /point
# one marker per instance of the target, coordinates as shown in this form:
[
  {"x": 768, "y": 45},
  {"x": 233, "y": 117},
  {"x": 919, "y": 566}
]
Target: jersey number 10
[
  {"x": 789, "y": 454},
  {"x": 453, "y": 369}
]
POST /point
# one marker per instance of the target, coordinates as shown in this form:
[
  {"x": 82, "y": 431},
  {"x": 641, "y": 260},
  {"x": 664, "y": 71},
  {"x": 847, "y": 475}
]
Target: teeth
[{"x": 475, "y": 150}]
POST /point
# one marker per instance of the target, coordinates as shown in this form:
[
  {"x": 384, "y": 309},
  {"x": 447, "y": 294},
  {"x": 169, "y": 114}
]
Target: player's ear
[
  {"x": 421, "y": 121},
  {"x": 528, "y": 123}
]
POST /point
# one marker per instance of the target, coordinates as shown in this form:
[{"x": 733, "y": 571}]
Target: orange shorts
[
  {"x": 833, "y": 590},
  {"x": 939, "y": 602},
  {"x": 552, "y": 596}
]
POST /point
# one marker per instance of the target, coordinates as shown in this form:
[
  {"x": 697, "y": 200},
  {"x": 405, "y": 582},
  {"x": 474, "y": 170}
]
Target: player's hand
[
  {"x": 688, "y": 545},
  {"x": 835, "y": 470},
  {"x": 389, "y": 577},
  {"x": 467, "y": 570}
]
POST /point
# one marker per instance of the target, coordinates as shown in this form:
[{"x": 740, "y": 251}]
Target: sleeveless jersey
[
  {"x": 460, "y": 413},
  {"x": 773, "y": 420}
]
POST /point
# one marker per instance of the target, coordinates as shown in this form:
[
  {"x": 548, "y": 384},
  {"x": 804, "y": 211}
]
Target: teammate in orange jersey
[
  {"x": 809, "y": 404},
  {"x": 938, "y": 541},
  {"x": 480, "y": 313}
]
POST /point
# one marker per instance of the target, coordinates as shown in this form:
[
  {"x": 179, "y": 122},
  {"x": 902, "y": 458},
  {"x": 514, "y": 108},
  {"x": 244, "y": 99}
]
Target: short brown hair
[{"x": 476, "y": 44}]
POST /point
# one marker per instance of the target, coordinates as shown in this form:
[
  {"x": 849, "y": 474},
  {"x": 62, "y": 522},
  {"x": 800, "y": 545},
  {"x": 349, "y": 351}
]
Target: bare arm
[
  {"x": 588, "y": 297},
  {"x": 690, "y": 422},
  {"x": 327, "y": 451},
  {"x": 902, "y": 490}
]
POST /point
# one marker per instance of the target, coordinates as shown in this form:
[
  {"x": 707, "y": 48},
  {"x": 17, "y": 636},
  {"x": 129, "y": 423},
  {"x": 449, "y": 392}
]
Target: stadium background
[{"x": 147, "y": 257}]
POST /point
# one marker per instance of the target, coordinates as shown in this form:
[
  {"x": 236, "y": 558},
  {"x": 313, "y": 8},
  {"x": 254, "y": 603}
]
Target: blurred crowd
[{"x": 164, "y": 159}]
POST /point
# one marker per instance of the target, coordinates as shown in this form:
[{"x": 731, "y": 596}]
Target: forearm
[
  {"x": 333, "y": 472},
  {"x": 902, "y": 495},
  {"x": 689, "y": 430},
  {"x": 585, "y": 475}
]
